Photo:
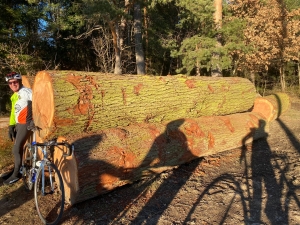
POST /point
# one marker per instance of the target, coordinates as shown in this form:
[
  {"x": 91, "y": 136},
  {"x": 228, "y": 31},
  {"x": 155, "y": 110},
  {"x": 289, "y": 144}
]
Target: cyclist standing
[{"x": 20, "y": 118}]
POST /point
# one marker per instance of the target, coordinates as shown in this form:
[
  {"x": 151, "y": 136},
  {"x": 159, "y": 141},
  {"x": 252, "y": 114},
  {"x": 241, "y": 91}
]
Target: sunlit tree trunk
[
  {"x": 198, "y": 69},
  {"x": 114, "y": 30},
  {"x": 146, "y": 37},
  {"x": 282, "y": 78},
  {"x": 298, "y": 64},
  {"x": 139, "y": 52},
  {"x": 252, "y": 76},
  {"x": 216, "y": 70}
]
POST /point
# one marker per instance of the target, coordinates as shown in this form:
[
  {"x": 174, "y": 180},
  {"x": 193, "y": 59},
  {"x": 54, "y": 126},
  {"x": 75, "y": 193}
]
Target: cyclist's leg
[{"x": 21, "y": 137}]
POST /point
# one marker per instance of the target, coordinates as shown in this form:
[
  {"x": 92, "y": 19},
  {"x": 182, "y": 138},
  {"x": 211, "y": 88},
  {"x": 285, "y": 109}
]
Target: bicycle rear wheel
[
  {"x": 50, "y": 201},
  {"x": 26, "y": 166}
]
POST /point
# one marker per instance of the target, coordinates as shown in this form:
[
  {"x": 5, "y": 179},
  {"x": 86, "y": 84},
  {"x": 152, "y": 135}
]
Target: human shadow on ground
[
  {"x": 264, "y": 185},
  {"x": 269, "y": 189}
]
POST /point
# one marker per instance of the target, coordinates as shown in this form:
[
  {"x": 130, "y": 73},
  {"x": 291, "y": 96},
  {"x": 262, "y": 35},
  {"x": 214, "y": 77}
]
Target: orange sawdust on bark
[
  {"x": 211, "y": 142},
  {"x": 227, "y": 123},
  {"x": 154, "y": 132},
  {"x": 121, "y": 158},
  {"x": 162, "y": 79},
  {"x": 81, "y": 109},
  {"x": 137, "y": 89},
  {"x": 194, "y": 129},
  {"x": 225, "y": 88},
  {"x": 190, "y": 83},
  {"x": 124, "y": 95},
  {"x": 84, "y": 106},
  {"x": 210, "y": 88},
  {"x": 106, "y": 181}
]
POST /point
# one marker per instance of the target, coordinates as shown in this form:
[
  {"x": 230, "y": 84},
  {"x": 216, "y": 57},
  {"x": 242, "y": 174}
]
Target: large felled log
[
  {"x": 74, "y": 102},
  {"x": 272, "y": 106},
  {"x": 118, "y": 156},
  {"x": 28, "y": 81}
]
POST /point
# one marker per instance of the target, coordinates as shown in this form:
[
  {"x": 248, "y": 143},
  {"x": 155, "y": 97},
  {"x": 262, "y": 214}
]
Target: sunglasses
[{"x": 13, "y": 82}]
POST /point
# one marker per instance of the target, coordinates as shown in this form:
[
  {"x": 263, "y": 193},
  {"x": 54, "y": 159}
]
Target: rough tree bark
[
  {"x": 216, "y": 70},
  {"x": 116, "y": 156},
  {"x": 139, "y": 52},
  {"x": 125, "y": 128},
  {"x": 75, "y": 102}
]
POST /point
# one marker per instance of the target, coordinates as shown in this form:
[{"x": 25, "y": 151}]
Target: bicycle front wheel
[{"x": 49, "y": 193}]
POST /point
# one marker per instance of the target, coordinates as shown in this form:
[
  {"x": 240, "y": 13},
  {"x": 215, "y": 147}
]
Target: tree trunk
[
  {"x": 139, "y": 52},
  {"x": 216, "y": 70},
  {"x": 75, "y": 102},
  {"x": 282, "y": 78},
  {"x": 146, "y": 27},
  {"x": 114, "y": 31},
  {"x": 117, "y": 156},
  {"x": 298, "y": 64}
]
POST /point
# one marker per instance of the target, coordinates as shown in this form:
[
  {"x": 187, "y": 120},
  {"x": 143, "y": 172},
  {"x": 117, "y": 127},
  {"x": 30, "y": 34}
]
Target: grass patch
[{"x": 6, "y": 158}]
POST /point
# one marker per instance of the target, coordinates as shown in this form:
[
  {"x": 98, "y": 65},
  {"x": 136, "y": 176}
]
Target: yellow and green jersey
[{"x": 21, "y": 110}]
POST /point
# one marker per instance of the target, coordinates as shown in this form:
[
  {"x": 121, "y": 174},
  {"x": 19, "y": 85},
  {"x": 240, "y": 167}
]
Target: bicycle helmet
[{"x": 13, "y": 75}]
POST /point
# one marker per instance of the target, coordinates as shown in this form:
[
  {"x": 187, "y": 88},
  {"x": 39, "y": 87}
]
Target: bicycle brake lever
[{"x": 70, "y": 149}]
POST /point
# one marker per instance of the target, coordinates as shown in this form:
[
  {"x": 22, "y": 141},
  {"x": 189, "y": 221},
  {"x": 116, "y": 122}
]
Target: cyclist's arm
[
  {"x": 24, "y": 106},
  {"x": 12, "y": 118}
]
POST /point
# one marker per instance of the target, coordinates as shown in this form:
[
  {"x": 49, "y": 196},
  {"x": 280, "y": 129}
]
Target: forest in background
[{"x": 256, "y": 39}]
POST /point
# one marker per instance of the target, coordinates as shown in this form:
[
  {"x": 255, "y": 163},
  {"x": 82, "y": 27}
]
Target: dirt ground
[{"x": 256, "y": 184}]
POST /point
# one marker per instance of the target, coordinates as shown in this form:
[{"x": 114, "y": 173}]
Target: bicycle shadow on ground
[
  {"x": 270, "y": 180},
  {"x": 265, "y": 192}
]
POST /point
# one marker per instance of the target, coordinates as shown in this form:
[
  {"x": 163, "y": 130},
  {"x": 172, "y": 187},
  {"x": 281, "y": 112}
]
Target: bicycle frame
[
  {"x": 41, "y": 172},
  {"x": 34, "y": 146}
]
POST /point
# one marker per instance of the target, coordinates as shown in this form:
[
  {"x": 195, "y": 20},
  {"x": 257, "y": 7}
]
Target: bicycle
[{"x": 38, "y": 170}]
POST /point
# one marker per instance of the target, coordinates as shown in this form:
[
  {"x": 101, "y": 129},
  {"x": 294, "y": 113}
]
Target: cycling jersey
[{"x": 21, "y": 107}]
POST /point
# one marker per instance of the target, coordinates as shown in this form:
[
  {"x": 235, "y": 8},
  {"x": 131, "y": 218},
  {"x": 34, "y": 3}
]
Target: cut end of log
[
  {"x": 43, "y": 102},
  {"x": 273, "y": 106},
  {"x": 68, "y": 169},
  {"x": 27, "y": 81}
]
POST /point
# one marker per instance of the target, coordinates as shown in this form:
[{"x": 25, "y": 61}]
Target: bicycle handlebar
[
  {"x": 70, "y": 147},
  {"x": 53, "y": 142}
]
